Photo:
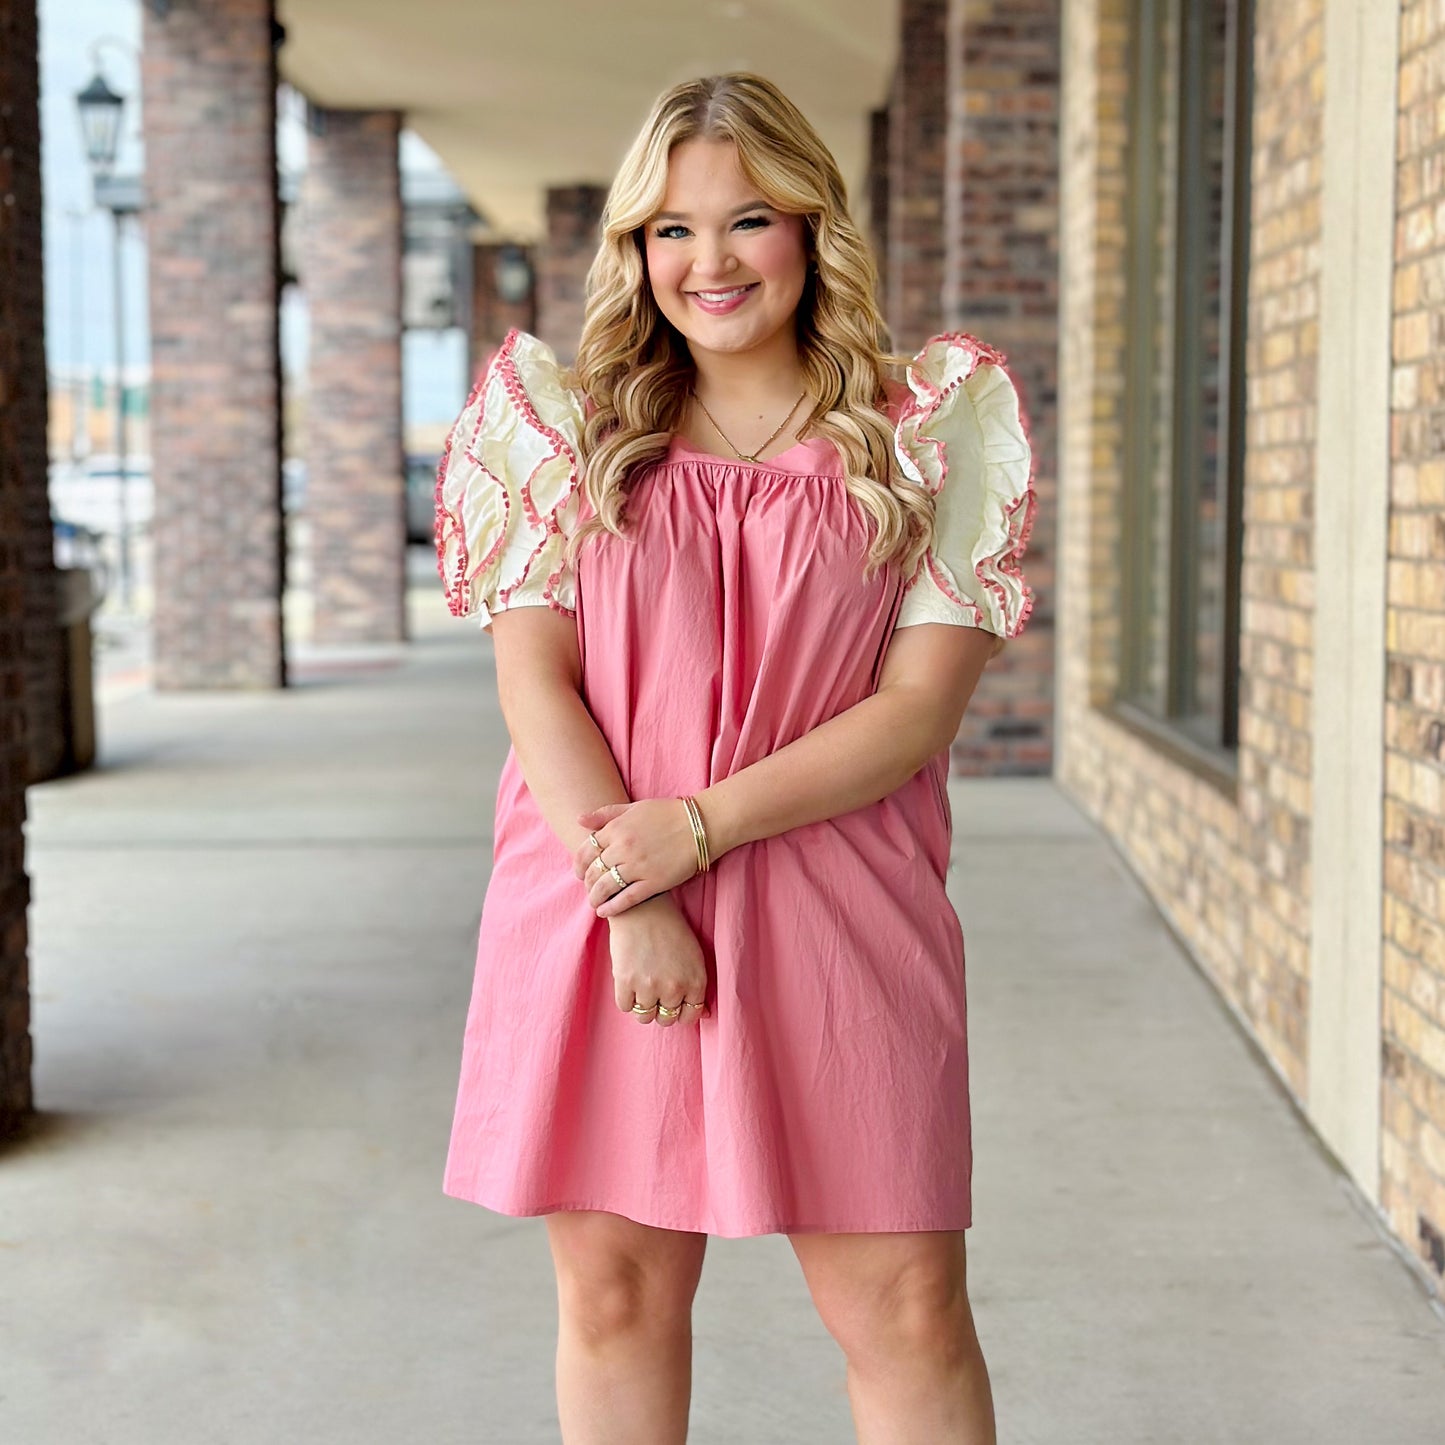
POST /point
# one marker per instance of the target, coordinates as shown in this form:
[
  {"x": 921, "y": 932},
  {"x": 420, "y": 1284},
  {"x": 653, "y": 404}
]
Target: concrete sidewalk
[{"x": 253, "y": 934}]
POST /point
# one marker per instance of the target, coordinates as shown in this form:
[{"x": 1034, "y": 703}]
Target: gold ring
[
  {"x": 638, "y": 1008},
  {"x": 592, "y": 839},
  {"x": 688, "y": 1003},
  {"x": 617, "y": 878},
  {"x": 663, "y": 1012}
]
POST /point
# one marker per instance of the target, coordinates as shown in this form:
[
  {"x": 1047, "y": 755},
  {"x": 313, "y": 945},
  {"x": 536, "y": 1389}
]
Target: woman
[{"x": 741, "y": 587}]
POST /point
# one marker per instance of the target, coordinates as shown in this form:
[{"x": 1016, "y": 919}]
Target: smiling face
[{"x": 725, "y": 268}]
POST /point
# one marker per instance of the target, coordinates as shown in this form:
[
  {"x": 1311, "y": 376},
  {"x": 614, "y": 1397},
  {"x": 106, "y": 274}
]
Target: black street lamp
[
  {"x": 100, "y": 116},
  {"x": 100, "y": 112}
]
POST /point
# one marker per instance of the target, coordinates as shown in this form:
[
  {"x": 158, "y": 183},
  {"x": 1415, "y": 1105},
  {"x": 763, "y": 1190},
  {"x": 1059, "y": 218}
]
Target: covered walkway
[{"x": 253, "y": 938}]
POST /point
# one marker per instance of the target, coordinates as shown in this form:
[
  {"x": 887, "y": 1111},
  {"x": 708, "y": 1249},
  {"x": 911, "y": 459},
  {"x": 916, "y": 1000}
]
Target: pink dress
[{"x": 828, "y": 1088}]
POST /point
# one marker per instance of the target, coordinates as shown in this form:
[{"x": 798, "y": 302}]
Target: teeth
[{"x": 722, "y": 295}]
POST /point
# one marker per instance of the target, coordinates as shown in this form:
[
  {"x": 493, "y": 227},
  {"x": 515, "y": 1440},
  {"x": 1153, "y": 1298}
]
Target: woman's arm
[
  {"x": 853, "y": 759},
  {"x": 564, "y": 758},
  {"x": 863, "y": 753},
  {"x": 566, "y": 763}
]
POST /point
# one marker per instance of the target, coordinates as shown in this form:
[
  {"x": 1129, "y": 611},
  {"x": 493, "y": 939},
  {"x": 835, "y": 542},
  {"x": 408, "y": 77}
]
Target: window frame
[{"x": 1168, "y": 717}]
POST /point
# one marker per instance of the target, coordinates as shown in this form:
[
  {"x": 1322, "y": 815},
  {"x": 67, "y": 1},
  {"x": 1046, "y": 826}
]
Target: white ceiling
[{"x": 519, "y": 96}]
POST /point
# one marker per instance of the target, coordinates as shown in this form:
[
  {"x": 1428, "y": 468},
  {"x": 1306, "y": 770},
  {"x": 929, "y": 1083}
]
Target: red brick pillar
[
  {"x": 492, "y": 315},
  {"x": 28, "y": 536},
  {"x": 22, "y": 496},
  {"x": 573, "y": 216},
  {"x": 1000, "y": 281},
  {"x": 355, "y": 474},
  {"x": 209, "y": 79},
  {"x": 916, "y": 123}
]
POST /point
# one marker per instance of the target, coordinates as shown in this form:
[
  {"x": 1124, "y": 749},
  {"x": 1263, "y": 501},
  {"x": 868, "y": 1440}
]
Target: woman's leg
[
  {"x": 898, "y": 1306},
  {"x": 624, "y": 1341}
]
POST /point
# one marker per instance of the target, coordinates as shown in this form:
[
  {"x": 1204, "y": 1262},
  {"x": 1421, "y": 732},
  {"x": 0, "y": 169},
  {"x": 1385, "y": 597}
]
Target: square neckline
[
  {"x": 679, "y": 443},
  {"x": 824, "y": 452}
]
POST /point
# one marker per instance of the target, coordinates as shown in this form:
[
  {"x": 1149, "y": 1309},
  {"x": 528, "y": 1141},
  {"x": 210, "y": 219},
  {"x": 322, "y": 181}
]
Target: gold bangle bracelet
[
  {"x": 697, "y": 843},
  {"x": 699, "y": 834},
  {"x": 702, "y": 836},
  {"x": 692, "y": 823}
]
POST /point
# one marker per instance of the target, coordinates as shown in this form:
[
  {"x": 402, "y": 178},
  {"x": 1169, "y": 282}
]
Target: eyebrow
[{"x": 736, "y": 211}]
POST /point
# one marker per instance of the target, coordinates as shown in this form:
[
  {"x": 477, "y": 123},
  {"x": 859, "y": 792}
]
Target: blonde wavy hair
[{"x": 635, "y": 367}]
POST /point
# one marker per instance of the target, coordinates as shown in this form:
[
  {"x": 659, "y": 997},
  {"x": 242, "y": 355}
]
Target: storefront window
[{"x": 1188, "y": 218}]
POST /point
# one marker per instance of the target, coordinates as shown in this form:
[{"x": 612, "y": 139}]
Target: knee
[
  {"x": 918, "y": 1313},
  {"x": 604, "y": 1302},
  {"x": 613, "y": 1297},
  {"x": 617, "y": 1279}
]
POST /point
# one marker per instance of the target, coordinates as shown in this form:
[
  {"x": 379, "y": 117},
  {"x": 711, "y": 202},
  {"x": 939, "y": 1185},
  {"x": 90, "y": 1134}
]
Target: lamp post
[{"x": 100, "y": 116}]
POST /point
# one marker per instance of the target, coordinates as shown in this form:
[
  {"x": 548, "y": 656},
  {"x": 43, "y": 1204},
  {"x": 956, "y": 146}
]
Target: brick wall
[
  {"x": 1090, "y": 423},
  {"x": 1000, "y": 282},
  {"x": 1277, "y": 578},
  {"x": 916, "y": 123},
  {"x": 22, "y": 483},
  {"x": 1413, "y": 1146},
  {"x": 355, "y": 477},
  {"x": 573, "y": 216},
  {"x": 43, "y": 654},
  {"x": 209, "y": 80},
  {"x": 1227, "y": 865},
  {"x": 492, "y": 317}
]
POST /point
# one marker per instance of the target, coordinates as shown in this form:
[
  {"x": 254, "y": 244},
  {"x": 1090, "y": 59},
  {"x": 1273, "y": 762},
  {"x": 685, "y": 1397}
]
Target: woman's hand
[
  {"x": 649, "y": 842},
  {"x": 656, "y": 958}
]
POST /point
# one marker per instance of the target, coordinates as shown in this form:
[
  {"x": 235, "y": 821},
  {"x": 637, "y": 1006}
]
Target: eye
[
  {"x": 666, "y": 232},
  {"x": 753, "y": 222}
]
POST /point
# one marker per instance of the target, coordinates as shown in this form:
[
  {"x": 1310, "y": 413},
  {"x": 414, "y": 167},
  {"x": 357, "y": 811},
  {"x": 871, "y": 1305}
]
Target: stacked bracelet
[{"x": 699, "y": 833}]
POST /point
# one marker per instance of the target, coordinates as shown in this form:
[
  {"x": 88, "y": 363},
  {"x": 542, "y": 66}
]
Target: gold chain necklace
[{"x": 745, "y": 456}]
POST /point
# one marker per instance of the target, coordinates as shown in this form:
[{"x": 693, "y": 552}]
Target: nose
[{"x": 713, "y": 260}]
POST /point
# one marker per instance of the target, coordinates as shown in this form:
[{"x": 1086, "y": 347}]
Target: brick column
[
  {"x": 209, "y": 79},
  {"x": 492, "y": 317},
  {"x": 23, "y": 404},
  {"x": 355, "y": 475},
  {"x": 1000, "y": 281},
  {"x": 573, "y": 215},
  {"x": 22, "y": 495},
  {"x": 916, "y": 125}
]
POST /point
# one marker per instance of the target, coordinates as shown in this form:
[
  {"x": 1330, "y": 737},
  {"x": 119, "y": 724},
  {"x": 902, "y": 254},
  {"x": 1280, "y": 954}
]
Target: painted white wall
[{"x": 1351, "y": 514}]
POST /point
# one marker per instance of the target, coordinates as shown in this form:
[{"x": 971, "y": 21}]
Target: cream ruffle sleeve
[
  {"x": 508, "y": 487},
  {"x": 963, "y": 437}
]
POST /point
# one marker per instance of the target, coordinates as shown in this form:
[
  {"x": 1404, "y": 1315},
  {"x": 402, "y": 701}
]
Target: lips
[{"x": 720, "y": 302}]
